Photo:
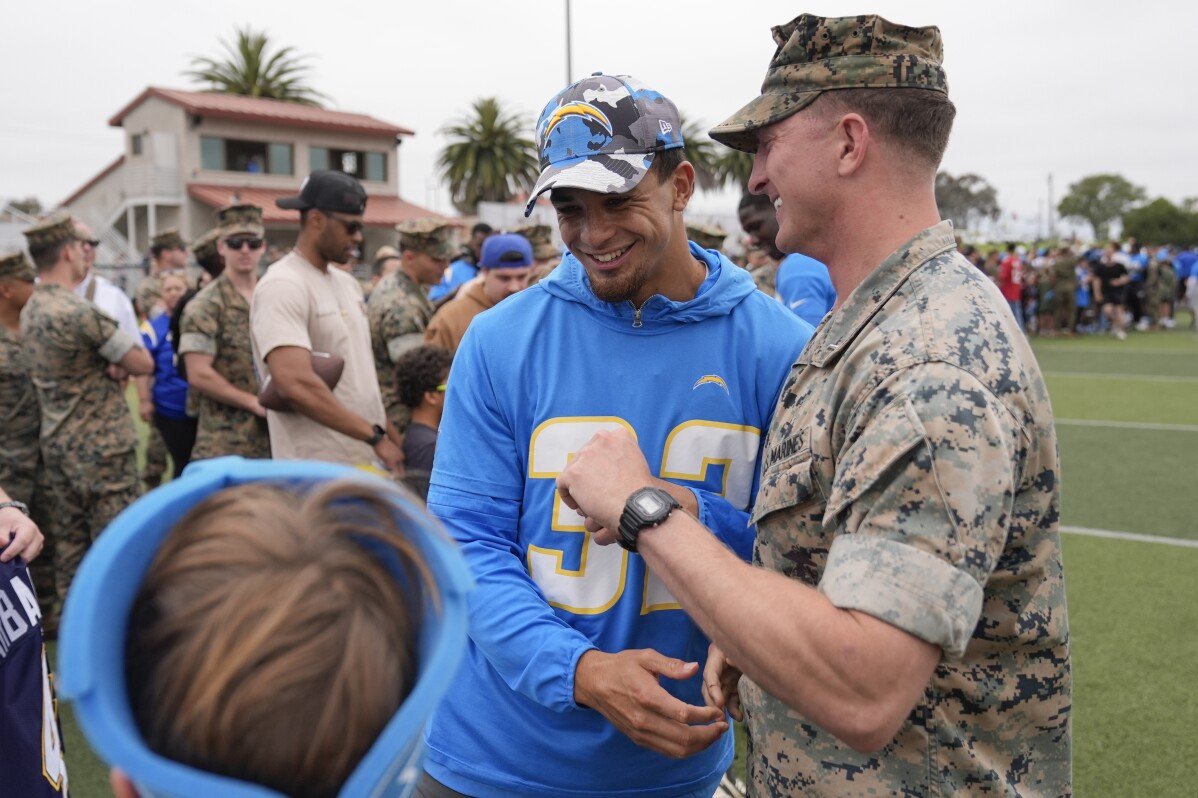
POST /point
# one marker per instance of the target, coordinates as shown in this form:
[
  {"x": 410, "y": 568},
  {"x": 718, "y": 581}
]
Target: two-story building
[{"x": 188, "y": 153}]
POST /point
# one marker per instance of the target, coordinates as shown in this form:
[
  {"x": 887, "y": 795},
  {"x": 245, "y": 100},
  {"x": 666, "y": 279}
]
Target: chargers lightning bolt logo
[
  {"x": 712, "y": 379},
  {"x": 577, "y": 108}
]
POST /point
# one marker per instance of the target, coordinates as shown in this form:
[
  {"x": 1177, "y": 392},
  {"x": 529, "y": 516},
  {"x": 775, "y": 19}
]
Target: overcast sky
[{"x": 1068, "y": 88}]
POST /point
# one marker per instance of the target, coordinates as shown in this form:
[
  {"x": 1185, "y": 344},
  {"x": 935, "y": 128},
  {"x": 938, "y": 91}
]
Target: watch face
[{"x": 649, "y": 504}]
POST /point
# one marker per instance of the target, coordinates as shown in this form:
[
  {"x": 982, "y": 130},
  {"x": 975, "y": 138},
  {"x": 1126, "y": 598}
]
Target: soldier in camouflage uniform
[
  {"x": 707, "y": 236},
  {"x": 399, "y": 309},
  {"x": 214, "y": 342},
  {"x": 545, "y": 255},
  {"x": 1064, "y": 289},
  {"x": 21, "y": 473},
  {"x": 87, "y": 437},
  {"x": 906, "y": 632}
]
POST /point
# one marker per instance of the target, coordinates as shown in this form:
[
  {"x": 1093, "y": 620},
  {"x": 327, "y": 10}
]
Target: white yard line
[
  {"x": 1114, "y": 349},
  {"x": 1089, "y": 422},
  {"x": 1098, "y": 375},
  {"x": 1116, "y": 535}
]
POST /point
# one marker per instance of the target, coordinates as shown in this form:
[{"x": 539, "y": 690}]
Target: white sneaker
[
  {"x": 1122, "y": 336},
  {"x": 1143, "y": 325}
]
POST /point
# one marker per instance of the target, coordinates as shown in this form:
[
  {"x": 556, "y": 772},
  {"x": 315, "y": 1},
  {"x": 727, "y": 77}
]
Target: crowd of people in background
[{"x": 1070, "y": 289}]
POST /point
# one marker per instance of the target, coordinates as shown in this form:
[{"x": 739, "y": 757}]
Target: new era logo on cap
[{"x": 666, "y": 127}]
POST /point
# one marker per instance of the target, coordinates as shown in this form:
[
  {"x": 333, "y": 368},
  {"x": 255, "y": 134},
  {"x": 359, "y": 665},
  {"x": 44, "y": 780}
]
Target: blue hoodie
[{"x": 535, "y": 377}]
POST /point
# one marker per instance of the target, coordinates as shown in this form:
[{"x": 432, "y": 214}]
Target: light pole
[{"x": 569, "y": 65}]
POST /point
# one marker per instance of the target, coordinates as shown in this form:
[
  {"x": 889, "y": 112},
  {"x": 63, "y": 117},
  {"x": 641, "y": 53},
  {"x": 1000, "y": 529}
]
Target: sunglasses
[
  {"x": 238, "y": 243},
  {"x": 441, "y": 388},
  {"x": 351, "y": 226}
]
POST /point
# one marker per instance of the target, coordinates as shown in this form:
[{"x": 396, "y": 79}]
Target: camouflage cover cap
[
  {"x": 601, "y": 133},
  {"x": 706, "y": 235},
  {"x": 816, "y": 54},
  {"x": 51, "y": 230},
  {"x": 17, "y": 266},
  {"x": 430, "y": 236},
  {"x": 168, "y": 239},
  {"x": 240, "y": 220},
  {"x": 540, "y": 236},
  {"x": 204, "y": 247},
  {"x": 385, "y": 253}
]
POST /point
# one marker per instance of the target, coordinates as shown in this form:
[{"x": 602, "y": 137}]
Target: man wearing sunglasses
[
  {"x": 505, "y": 268},
  {"x": 214, "y": 342},
  {"x": 99, "y": 290},
  {"x": 303, "y": 306}
]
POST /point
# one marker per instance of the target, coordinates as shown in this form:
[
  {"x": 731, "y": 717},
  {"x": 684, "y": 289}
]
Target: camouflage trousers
[
  {"x": 85, "y": 496},
  {"x": 24, "y": 479},
  {"x": 155, "y": 459},
  {"x": 1066, "y": 309}
]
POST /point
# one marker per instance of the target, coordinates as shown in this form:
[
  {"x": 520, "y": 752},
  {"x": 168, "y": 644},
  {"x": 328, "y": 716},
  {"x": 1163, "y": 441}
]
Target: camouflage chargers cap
[
  {"x": 51, "y": 230},
  {"x": 240, "y": 220},
  {"x": 540, "y": 236},
  {"x": 168, "y": 239},
  {"x": 16, "y": 266},
  {"x": 430, "y": 236},
  {"x": 601, "y": 133},
  {"x": 817, "y": 54}
]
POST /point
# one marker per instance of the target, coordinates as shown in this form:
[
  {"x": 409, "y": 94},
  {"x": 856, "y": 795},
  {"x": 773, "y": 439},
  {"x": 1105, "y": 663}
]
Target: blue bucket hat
[
  {"x": 96, "y": 618},
  {"x": 601, "y": 134}
]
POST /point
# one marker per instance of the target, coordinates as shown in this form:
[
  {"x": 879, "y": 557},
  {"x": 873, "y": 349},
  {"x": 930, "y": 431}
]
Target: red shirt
[{"x": 1010, "y": 278}]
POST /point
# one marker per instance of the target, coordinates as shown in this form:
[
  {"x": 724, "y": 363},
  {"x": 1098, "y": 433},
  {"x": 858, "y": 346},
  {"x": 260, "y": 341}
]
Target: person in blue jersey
[
  {"x": 32, "y": 751},
  {"x": 169, "y": 388},
  {"x": 582, "y": 673},
  {"x": 802, "y": 284},
  {"x": 464, "y": 268}
]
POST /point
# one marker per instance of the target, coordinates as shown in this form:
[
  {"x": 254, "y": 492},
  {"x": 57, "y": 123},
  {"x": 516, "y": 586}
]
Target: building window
[
  {"x": 362, "y": 165},
  {"x": 135, "y": 144},
  {"x": 255, "y": 157},
  {"x": 376, "y": 166}
]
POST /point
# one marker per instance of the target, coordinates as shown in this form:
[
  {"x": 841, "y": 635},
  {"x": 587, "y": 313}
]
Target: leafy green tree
[
  {"x": 700, "y": 150},
  {"x": 733, "y": 168},
  {"x": 491, "y": 156},
  {"x": 965, "y": 199},
  {"x": 1161, "y": 222},
  {"x": 1099, "y": 200},
  {"x": 248, "y": 67}
]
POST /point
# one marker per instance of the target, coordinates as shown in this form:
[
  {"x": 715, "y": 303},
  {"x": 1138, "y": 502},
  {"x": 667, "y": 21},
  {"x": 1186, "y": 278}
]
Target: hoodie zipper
[{"x": 636, "y": 313}]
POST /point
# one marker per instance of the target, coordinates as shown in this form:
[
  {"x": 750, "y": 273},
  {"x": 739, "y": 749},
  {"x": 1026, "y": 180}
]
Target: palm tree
[
  {"x": 733, "y": 167},
  {"x": 491, "y": 156},
  {"x": 700, "y": 150},
  {"x": 248, "y": 68}
]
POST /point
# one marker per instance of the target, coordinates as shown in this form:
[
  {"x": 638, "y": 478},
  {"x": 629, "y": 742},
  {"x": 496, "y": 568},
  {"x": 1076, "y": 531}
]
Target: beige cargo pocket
[
  {"x": 789, "y": 483},
  {"x": 888, "y": 438}
]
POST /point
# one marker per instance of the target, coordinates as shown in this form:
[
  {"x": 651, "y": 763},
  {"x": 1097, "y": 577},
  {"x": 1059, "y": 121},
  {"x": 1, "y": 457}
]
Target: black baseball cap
[{"x": 328, "y": 190}]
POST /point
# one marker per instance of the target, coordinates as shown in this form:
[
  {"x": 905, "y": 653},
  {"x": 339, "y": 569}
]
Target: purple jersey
[{"x": 30, "y": 737}]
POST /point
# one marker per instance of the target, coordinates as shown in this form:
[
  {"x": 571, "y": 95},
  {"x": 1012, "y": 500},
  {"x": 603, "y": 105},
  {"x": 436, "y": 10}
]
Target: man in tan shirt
[
  {"x": 504, "y": 269},
  {"x": 302, "y": 306}
]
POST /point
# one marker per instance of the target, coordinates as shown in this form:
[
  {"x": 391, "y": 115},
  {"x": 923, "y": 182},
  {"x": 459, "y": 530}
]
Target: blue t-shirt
[
  {"x": 459, "y": 272},
  {"x": 805, "y": 288},
  {"x": 1184, "y": 264},
  {"x": 34, "y": 766},
  {"x": 170, "y": 389},
  {"x": 534, "y": 379}
]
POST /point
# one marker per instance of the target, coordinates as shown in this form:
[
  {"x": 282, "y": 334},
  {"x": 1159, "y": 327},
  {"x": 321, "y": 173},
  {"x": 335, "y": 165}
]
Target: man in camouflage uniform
[
  {"x": 21, "y": 472},
  {"x": 87, "y": 437},
  {"x": 906, "y": 631},
  {"x": 399, "y": 309},
  {"x": 1064, "y": 289},
  {"x": 544, "y": 254},
  {"x": 214, "y": 342},
  {"x": 708, "y": 236}
]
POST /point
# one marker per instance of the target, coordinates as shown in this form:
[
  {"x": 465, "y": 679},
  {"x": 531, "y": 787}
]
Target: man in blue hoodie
[{"x": 582, "y": 676}]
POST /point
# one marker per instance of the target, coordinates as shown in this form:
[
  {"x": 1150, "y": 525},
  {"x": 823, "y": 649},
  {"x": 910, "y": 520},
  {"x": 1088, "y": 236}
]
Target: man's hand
[
  {"x": 115, "y": 373},
  {"x": 145, "y": 409},
  {"x": 720, "y": 683},
  {"x": 391, "y": 455},
  {"x": 601, "y": 477},
  {"x": 20, "y": 535},
  {"x": 624, "y": 688},
  {"x": 256, "y": 407}
]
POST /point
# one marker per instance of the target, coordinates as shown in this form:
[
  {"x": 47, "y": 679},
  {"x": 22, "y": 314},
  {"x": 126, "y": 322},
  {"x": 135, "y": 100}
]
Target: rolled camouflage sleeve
[
  {"x": 198, "y": 328},
  {"x": 101, "y": 332},
  {"x": 399, "y": 331},
  {"x": 922, "y": 497}
]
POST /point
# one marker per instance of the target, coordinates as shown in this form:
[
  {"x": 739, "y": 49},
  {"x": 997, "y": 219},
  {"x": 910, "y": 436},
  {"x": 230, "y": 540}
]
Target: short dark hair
[
  {"x": 45, "y": 257},
  {"x": 748, "y": 200},
  {"x": 481, "y": 227},
  {"x": 421, "y": 369},
  {"x": 918, "y": 120},
  {"x": 665, "y": 162}
]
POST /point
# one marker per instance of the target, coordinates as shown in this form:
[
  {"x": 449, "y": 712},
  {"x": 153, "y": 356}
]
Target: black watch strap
[
  {"x": 645, "y": 508},
  {"x": 379, "y": 434}
]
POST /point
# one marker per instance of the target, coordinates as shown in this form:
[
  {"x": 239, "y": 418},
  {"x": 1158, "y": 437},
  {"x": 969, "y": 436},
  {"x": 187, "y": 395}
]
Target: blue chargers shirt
[
  {"x": 534, "y": 379},
  {"x": 804, "y": 286},
  {"x": 459, "y": 272},
  {"x": 170, "y": 389},
  {"x": 34, "y": 764}
]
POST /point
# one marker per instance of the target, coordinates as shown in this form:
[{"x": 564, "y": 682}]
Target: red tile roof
[
  {"x": 107, "y": 170},
  {"x": 256, "y": 109},
  {"x": 381, "y": 210}
]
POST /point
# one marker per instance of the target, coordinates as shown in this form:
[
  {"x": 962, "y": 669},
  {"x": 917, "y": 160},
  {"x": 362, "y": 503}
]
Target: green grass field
[{"x": 1133, "y": 605}]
